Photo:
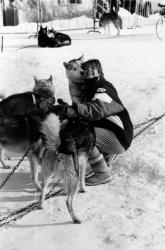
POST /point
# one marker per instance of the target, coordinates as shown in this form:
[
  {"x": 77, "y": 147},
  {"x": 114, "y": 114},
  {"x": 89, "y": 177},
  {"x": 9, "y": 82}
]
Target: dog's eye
[{"x": 74, "y": 69}]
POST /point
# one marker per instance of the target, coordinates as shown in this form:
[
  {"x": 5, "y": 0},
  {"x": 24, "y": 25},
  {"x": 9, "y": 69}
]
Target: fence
[{"x": 59, "y": 13}]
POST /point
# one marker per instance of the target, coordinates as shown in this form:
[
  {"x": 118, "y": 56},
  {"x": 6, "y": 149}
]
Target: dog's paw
[
  {"x": 82, "y": 190},
  {"x": 77, "y": 220}
]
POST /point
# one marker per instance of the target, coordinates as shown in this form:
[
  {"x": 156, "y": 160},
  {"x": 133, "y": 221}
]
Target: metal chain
[
  {"x": 19, "y": 214},
  {"x": 154, "y": 119},
  {"x": 23, "y": 211},
  {"x": 14, "y": 169}
]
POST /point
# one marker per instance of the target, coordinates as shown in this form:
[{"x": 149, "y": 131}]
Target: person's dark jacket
[{"x": 106, "y": 110}]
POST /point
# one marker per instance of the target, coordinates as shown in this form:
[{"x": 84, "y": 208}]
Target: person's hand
[
  {"x": 46, "y": 104},
  {"x": 66, "y": 111}
]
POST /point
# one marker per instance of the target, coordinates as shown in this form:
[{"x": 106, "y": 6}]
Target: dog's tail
[{"x": 50, "y": 129}]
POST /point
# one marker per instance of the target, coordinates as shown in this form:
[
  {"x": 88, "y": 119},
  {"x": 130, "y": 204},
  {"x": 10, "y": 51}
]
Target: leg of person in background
[{"x": 100, "y": 159}]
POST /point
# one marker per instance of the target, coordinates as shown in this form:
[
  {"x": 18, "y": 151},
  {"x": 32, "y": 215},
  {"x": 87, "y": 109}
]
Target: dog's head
[
  {"x": 44, "y": 87},
  {"x": 74, "y": 71},
  {"x": 42, "y": 31}
]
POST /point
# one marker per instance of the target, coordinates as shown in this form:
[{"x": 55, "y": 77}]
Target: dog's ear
[
  {"x": 66, "y": 65},
  {"x": 50, "y": 78},
  {"x": 35, "y": 79},
  {"x": 81, "y": 59}
]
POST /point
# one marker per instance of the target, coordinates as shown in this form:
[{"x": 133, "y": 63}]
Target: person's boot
[
  {"x": 88, "y": 171},
  {"x": 109, "y": 158},
  {"x": 100, "y": 168}
]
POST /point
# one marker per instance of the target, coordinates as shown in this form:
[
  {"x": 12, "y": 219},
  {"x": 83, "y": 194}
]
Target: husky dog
[
  {"x": 42, "y": 37},
  {"x": 73, "y": 139},
  {"x": 62, "y": 38},
  {"x": 75, "y": 75},
  {"x": 51, "y": 38},
  {"x": 19, "y": 122},
  {"x": 107, "y": 19}
]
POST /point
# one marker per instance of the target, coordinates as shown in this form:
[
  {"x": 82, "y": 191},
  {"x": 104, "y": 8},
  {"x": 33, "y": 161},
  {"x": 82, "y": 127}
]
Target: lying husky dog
[
  {"x": 107, "y": 19},
  {"x": 20, "y": 119},
  {"x": 75, "y": 140},
  {"x": 51, "y": 38}
]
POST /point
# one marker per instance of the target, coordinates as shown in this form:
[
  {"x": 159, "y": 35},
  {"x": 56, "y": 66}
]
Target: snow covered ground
[{"x": 129, "y": 212}]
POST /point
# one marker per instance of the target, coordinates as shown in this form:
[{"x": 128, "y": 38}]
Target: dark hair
[{"x": 97, "y": 64}]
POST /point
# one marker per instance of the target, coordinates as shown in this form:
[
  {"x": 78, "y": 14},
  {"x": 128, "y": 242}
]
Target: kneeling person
[{"x": 104, "y": 110}]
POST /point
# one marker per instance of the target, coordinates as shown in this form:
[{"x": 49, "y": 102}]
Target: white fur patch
[
  {"x": 103, "y": 97},
  {"x": 34, "y": 99},
  {"x": 50, "y": 128}
]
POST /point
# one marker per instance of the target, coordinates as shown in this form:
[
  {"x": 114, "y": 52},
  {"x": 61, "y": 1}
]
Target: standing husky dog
[
  {"x": 107, "y": 19},
  {"x": 73, "y": 139},
  {"x": 20, "y": 116}
]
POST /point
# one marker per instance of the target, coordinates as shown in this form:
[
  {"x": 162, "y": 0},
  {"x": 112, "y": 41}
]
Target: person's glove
[
  {"x": 67, "y": 111},
  {"x": 46, "y": 104}
]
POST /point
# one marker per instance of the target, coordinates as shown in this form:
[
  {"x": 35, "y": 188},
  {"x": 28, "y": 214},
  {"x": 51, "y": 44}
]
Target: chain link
[
  {"x": 148, "y": 123},
  {"x": 14, "y": 169},
  {"x": 20, "y": 213},
  {"x": 152, "y": 120}
]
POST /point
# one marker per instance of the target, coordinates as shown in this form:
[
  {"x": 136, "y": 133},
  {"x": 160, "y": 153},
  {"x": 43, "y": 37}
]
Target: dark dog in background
[
  {"x": 51, "y": 38},
  {"x": 111, "y": 18}
]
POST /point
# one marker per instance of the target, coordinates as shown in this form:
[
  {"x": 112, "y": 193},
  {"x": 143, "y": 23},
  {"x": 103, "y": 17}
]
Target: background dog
[
  {"x": 111, "y": 18},
  {"x": 51, "y": 38}
]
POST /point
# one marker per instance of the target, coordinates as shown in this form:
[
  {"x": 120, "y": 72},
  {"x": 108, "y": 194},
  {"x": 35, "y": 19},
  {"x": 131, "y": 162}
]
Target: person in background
[{"x": 114, "y": 6}]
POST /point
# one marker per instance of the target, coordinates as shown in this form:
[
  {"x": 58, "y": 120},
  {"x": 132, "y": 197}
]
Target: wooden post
[
  {"x": 3, "y": 12},
  {"x": 94, "y": 17},
  {"x": 40, "y": 13},
  {"x": 2, "y": 44}
]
